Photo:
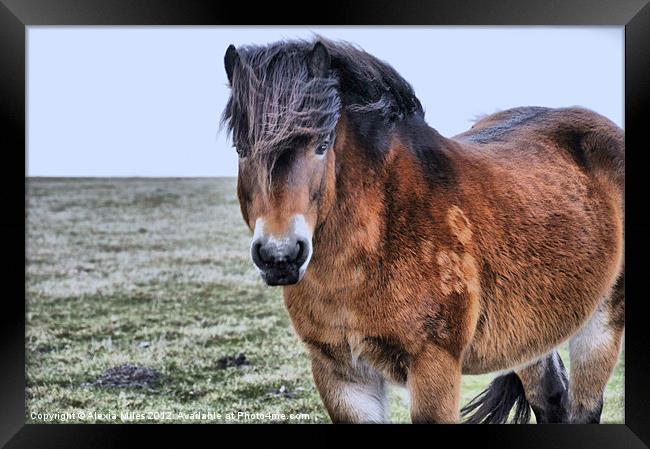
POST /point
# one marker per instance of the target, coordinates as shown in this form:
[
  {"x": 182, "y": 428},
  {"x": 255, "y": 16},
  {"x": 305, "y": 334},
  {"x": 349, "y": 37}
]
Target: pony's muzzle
[
  {"x": 282, "y": 259},
  {"x": 281, "y": 262}
]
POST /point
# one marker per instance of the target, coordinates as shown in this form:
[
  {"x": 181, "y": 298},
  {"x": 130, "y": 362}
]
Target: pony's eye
[
  {"x": 322, "y": 148},
  {"x": 240, "y": 152}
]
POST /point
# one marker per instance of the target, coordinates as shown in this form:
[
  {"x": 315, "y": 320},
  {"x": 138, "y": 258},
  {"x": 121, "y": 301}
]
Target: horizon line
[{"x": 127, "y": 177}]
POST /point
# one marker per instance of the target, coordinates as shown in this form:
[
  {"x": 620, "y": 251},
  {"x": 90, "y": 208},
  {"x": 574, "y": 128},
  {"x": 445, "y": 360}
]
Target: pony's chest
[
  {"x": 323, "y": 318},
  {"x": 362, "y": 356},
  {"x": 353, "y": 339},
  {"x": 328, "y": 303}
]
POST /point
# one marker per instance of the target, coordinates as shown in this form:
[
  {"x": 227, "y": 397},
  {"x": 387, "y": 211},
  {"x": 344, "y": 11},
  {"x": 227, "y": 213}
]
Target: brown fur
[{"x": 418, "y": 281}]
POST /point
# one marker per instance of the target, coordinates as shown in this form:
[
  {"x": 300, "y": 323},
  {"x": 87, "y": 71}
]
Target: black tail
[{"x": 493, "y": 405}]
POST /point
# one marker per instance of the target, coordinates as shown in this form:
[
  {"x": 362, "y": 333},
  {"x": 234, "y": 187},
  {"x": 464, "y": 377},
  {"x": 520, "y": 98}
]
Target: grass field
[{"x": 156, "y": 273}]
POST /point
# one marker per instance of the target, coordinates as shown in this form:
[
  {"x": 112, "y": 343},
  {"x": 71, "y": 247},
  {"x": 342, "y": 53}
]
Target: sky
[{"x": 146, "y": 101}]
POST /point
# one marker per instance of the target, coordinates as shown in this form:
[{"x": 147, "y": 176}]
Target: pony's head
[{"x": 283, "y": 114}]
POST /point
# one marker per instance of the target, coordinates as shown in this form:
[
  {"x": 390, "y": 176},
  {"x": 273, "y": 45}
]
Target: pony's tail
[{"x": 493, "y": 405}]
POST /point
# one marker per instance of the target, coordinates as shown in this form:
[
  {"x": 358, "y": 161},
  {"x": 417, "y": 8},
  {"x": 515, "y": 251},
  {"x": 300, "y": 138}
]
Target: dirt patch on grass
[
  {"x": 229, "y": 361},
  {"x": 127, "y": 375}
]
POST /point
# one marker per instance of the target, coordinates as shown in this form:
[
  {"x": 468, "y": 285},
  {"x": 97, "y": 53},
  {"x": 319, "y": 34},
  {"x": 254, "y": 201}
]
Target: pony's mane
[
  {"x": 274, "y": 99},
  {"x": 368, "y": 84}
]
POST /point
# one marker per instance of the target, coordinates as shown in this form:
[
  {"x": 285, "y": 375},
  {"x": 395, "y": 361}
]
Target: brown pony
[{"x": 411, "y": 258}]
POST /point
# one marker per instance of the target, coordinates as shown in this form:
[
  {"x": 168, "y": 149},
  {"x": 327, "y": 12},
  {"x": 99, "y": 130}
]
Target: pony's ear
[
  {"x": 319, "y": 60},
  {"x": 230, "y": 60}
]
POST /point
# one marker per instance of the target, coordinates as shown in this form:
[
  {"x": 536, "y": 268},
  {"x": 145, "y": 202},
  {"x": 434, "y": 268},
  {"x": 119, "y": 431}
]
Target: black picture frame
[{"x": 16, "y": 15}]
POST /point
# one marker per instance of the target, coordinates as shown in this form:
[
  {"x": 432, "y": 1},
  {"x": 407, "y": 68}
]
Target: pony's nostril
[
  {"x": 302, "y": 253},
  {"x": 256, "y": 253},
  {"x": 266, "y": 255},
  {"x": 295, "y": 252}
]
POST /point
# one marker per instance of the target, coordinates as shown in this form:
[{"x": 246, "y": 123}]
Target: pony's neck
[
  {"x": 381, "y": 169},
  {"x": 353, "y": 226}
]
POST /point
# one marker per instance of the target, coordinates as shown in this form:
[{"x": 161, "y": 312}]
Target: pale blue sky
[{"x": 146, "y": 101}]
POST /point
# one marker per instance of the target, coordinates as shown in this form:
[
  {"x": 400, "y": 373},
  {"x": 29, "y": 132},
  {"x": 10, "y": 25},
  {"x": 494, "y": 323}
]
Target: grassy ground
[{"x": 156, "y": 273}]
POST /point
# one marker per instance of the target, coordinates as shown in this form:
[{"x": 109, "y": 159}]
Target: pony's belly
[
  {"x": 481, "y": 363},
  {"x": 506, "y": 343},
  {"x": 478, "y": 360}
]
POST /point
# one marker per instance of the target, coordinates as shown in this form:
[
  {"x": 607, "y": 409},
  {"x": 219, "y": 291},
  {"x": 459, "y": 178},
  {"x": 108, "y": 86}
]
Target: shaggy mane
[{"x": 275, "y": 101}]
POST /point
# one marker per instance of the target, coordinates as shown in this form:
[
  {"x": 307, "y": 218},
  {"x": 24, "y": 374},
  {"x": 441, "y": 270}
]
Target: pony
[{"x": 410, "y": 258}]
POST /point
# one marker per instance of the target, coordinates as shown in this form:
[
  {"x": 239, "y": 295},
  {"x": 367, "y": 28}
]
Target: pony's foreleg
[
  {"x": 594, "y": 352},
  {"x": 434, "y": 386},
  {"x": 546, "y": 388},
  {"x": 350, "y": 396}
]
